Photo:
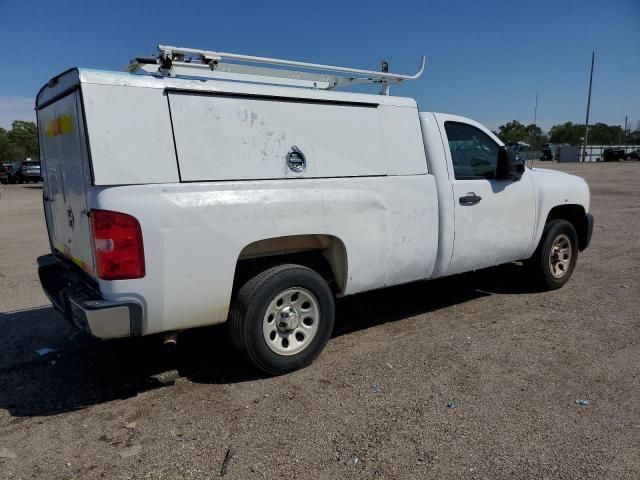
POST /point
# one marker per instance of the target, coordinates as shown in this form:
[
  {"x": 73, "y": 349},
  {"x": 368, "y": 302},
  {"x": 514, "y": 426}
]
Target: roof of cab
[{"x": 70, "y": 79}]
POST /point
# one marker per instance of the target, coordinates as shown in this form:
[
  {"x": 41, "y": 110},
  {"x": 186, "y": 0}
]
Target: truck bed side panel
[{"x": 389, "y": 226}]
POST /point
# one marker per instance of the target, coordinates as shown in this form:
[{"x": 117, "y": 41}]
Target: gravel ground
[{"x": 509, "y": 361}]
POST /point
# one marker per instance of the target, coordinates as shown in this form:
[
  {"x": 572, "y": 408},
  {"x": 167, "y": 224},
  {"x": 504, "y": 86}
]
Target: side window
[{"x": 473, "y": 153}]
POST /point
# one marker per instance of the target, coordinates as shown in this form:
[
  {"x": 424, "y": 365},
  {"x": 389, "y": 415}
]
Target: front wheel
[
  {"x": 555, "y": 258},
  {"x": 282, "y": 318}
]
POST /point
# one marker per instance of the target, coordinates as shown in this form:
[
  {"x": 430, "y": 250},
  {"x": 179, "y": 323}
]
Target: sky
[{"x": 485, "y": 59}]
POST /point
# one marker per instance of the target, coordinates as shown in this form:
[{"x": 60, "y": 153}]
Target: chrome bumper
[{"x": 78, "y": 298}]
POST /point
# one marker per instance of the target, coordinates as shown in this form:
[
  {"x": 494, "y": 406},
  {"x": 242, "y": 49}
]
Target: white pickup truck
[{"x": 178, "y": 196}]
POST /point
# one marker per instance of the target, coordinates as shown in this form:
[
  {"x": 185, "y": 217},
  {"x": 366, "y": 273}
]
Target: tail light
[{"x": 117, "y": 239}]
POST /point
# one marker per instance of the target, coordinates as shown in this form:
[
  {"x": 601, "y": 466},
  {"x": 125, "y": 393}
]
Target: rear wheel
[
  {"x": 282, "y": 318},
  {"x": 555, "y": 258}
]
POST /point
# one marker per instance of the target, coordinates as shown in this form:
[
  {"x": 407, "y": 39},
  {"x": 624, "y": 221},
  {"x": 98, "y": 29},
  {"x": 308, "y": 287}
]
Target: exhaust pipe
[{"x": 170, "y": 341}]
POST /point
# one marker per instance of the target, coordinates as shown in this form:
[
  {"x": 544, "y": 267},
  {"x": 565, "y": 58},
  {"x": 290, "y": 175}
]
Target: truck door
[
  {"x": 65, "y": 169},
  {"x": 494, "y": 219}
]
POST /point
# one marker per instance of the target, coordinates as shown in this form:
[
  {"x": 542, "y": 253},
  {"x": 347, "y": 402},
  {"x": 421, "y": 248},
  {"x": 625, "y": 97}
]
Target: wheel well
[
  {"x": 325, "y": 254},
  {"x": 576, "y": 215}
]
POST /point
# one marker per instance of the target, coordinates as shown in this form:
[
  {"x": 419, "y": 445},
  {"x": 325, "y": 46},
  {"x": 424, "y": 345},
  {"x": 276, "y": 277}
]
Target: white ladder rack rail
[{"x": 190, "y": 62}]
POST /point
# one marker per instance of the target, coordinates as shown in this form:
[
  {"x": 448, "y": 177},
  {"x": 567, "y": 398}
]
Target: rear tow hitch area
[{"x": 81, "y": 303}]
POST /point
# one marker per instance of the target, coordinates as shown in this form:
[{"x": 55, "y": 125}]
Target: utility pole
[
  {"x": 626, "y": 117},
  {"x": 535, "y": 124},
  {"x": 586, "y": 125}
]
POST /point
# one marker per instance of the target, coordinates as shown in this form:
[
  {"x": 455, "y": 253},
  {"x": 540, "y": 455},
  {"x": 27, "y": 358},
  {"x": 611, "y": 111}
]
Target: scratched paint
[{"x": 248, "y": 139}]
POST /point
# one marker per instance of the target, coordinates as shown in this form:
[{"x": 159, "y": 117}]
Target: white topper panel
[
  {"x": 222, "y": 137},
  {"x": 402, "y": 139},
  {"x": 130, "y": 135}
]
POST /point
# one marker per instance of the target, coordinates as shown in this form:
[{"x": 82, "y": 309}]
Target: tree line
[
  {"x": 18, "y": 143},
  {"x": 568, "y": 132}
]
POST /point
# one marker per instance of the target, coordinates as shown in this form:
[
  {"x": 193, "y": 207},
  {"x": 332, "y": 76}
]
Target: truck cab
[{"x": 490, "y": 221}]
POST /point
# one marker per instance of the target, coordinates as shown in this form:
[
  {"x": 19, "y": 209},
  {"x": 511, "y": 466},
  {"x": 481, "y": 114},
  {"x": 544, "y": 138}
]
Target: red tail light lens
[{"x": 117, "y": 239}]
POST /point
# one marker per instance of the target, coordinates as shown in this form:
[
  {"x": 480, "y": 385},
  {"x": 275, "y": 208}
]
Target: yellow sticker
[
  {"x": 61, "y": 125},
  {"x": 66, "y": 251}
]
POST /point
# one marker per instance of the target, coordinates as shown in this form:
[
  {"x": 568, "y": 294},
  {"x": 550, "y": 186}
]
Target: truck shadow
[{"x": 79, "y": 371}]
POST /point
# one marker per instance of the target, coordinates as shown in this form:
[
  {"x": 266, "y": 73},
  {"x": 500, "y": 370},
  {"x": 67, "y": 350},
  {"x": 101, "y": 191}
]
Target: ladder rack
[{"x": 190, "y": 62}]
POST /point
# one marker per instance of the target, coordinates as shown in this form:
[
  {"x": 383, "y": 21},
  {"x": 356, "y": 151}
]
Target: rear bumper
[{"x": 79, "y": 300}]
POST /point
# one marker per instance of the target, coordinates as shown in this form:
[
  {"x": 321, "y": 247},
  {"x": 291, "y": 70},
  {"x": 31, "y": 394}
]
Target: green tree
[
  {"x": 4, "y": 146},
  {"x": 513, "y": 131},
  {"x": 535, "y": 136},
  {"x": 20, "y": 142},
  {"x": 568, "y": 132},
  {"x": 516, "y": 131},
  {"x": 24, "y": 136},
  {"x": 599, "y": 134},
  {"x": 603, "y": 134}
]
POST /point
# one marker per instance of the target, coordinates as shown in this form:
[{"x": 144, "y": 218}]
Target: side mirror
[{"x": 509, "y": 166}]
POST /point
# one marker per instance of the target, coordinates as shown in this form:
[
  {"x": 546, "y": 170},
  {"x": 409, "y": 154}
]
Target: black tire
[
  {"x": 248, "y": 313},
  {"x": 540, "y": 264}
]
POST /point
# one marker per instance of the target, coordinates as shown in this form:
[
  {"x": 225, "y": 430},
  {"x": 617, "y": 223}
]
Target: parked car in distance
[
  {"x": 30, "y": 172},
  {"x": 547, "y": 152},
  {"x": 634, "y": 155},
  {"x": 613, "y": 154},
  {"x": 4, "y": 172},
  {"x": 10, "y": 172}
]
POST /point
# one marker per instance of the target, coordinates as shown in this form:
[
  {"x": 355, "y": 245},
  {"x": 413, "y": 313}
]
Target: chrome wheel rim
[
  {"x": 291, "y": 321},
  {"x": 560, "y": 256}
]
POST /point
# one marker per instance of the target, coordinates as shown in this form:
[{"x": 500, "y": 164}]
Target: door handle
[{"x": 470, "y": 199}]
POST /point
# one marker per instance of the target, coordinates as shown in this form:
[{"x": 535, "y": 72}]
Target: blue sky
[{"x": 485, "y": 59}]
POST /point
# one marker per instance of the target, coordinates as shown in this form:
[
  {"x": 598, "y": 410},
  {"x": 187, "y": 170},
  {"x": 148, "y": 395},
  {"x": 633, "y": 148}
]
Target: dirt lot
[{"x": 513, "y": 362}]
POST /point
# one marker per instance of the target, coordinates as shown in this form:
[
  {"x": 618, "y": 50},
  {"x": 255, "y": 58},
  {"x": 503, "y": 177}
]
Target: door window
[{"x": 473, "y": 153}]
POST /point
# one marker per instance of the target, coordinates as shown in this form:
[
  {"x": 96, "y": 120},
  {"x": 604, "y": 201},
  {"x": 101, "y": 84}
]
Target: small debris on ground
[
  {"x": 388, "y": 364},
  {"x": 130, "y": 425},
  {"x": 44, "y": 351},
  {"x": 451, "y": 405},
  {"x": 376, "y": 388},
  {"x": 168, "y": 378},
  {"x": 583, "y": 402},
  {"x": 131, "y": 451},
  {"x": 227, "y": 458},
  {"x": 355, "y": 460},
  {"x": 624, "y": 286},
  {"x": 6, "y": 453}
]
